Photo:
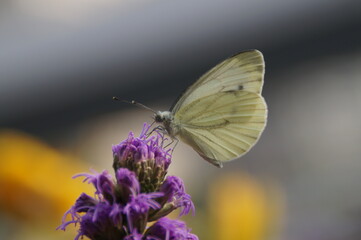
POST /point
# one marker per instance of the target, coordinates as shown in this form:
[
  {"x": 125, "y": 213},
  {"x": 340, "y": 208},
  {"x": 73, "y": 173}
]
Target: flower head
[
  {"x": 122, "y": 207},
  {"x": 145, "y": 156}
]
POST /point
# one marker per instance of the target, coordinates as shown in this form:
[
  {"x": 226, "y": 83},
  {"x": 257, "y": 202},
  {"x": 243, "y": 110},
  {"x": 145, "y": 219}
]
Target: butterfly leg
[
  {"x": 176, "y": 143},
  {"x": 160, "y": 128},
  {"x": 176, "y": 140},
  {"x": 169, "y": 143},
  {"x": 151, "y": 124}
]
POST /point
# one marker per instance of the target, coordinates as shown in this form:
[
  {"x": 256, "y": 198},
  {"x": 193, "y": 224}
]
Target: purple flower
[
  {"x": 169, "y": 229},
  {"x": 127, "y": 184},
  {"x": 102, "y": 182},
  {"x": 137, "y": 210},
  {"x": 84, "y": 203},
  {"x": 99, "y": 218},
  {"x": 98, "y": 225},
  {"x": 174, "y": 197},
  {"x": 145, "y": 156},
  {"x": 122, "y": 207}
]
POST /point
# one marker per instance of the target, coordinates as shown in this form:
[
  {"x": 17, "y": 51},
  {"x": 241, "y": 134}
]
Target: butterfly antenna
[{"x": 135, "y": 103}]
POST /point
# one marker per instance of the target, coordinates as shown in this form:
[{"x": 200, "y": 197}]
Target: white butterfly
[{"x": 222, "y": 115}]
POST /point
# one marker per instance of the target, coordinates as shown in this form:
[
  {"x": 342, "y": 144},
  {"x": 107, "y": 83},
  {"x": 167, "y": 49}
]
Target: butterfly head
[
  {"x": 166, "y": 119},
  {"x": 163, "y": 117}
]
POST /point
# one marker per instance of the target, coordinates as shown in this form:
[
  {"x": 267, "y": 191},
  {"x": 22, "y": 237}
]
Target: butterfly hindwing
[{"x": 222, "y": 126}]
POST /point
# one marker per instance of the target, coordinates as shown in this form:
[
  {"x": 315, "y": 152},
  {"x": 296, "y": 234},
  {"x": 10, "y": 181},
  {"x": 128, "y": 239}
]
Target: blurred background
[{"x": 62, "y": 61}]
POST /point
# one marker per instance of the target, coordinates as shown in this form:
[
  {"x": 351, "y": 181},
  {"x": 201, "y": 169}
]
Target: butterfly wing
[
  {"x": 243, "y": 71},
  {"x": 222, "y": 126}
]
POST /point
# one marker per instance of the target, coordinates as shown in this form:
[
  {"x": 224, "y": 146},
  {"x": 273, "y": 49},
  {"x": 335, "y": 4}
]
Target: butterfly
[{"x": 223, "y": 114}]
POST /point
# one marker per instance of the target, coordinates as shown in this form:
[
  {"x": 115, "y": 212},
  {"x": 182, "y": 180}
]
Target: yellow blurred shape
[
  {"x": 35, "y": 179},
  {"x": 242, "y": 208}
]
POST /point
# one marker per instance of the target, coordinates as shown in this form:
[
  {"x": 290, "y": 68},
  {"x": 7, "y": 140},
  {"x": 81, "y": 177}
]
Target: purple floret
[
  {"x": 127, "y": 183},
  {"x": 137, "y": 211},
  {"x": 174, "y": 192},
  {"x": 169, "y": 229}
]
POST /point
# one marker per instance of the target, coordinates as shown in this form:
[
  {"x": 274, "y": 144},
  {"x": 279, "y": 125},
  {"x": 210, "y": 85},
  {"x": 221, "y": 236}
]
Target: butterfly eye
[{"x": 158, "y": 118}]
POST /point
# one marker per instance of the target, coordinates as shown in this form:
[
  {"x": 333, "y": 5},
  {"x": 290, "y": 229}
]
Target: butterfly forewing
[{"x": 243, "y": 71}]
